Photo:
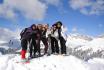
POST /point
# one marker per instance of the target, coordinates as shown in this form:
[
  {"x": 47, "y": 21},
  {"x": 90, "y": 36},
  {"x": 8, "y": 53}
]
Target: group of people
[{"x": 33, "y": 35}]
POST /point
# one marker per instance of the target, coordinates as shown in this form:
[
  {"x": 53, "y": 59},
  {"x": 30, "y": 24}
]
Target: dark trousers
[
  {"x": 54, "y": 45},
  {"x": 24, "y": 43},
  {"x": 33, "y": 47},
  {"x": 24, "y": 48},
  {"x": 44, "y": 40},
  {"x": 63, "y": 46},
  {"x": 38, "y": 46}
]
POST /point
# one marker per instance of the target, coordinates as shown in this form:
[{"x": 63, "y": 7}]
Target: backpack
[{"x": 23, "y": 32}]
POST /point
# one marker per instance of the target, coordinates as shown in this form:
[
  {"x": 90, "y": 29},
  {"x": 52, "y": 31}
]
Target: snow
[
  {"x": 96, "y": 64},
  {"x": 74, "y": 41},
  {"x": 95, "y": 44},
  {"x": 53, "y": 62}
]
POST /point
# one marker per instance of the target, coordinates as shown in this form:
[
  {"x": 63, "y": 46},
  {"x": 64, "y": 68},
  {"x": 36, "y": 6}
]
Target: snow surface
[
  {"x": 53, "y": 62},
  {"x": 75, "y": 41},
  {"x": 95, "y": 44}
]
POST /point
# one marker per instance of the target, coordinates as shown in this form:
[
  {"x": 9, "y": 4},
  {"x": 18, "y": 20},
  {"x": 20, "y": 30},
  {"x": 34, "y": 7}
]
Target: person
[
  {"x": 61, "y": 38},
  {"x": 25, "y": 38},
  {"x": 54, "y": 40},
  {"x": 43, "y": 37},
  {"x": 33, "y": 45},
  {"x": 39, "y": 26}
]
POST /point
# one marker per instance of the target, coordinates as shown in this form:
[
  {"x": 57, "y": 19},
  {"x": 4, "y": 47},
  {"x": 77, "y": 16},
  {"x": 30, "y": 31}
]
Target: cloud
[
  {"x": 78, "y": 30},
  {"x": 56, "y": 3},
  {"x": 88, "y": 7},
  {"x": 53, "y": 2},
  {"x": 29, "y": 9},
  {"x": 6, "y": 12},
  {"x": 6, "y": 34},
  {"x": 78, "y": 4},
  {"x": 74, "y": 29},
  {"x": 9, "y": 38}
]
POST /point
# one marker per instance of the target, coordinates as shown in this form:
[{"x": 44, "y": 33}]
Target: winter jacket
[
  {"x": 55, "y": 34},
  {"x": 26, "y": 33},
  {"x": 36, "y": 34},
  {"x": 43, "y": 33}
]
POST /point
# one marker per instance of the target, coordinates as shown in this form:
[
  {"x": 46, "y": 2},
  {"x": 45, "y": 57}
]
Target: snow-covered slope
[
  {"x": 53, "y": 62},
  {"x": 77, "y": 40},
  {"x": 96, "y": 44},
  {"x": 85, "y": 47},
  {"x": 85, "y": 42}
]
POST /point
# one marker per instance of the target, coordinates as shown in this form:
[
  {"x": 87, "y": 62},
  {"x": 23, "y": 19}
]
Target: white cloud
[
  {"x": 78, "y": 30},
  {"x": 88, "y": 7},
  {"x": 56, "y": 3},
  {"x": 53, "y": 2},
  {"x": 6, "y": 34},
  {"x": 30, "y": 9},
  {"x": 98, "y": 7},
  {"x": 78, "y": 4},
  {"x": 74, "y": 29},
  {"x": 6, "y": 12}
]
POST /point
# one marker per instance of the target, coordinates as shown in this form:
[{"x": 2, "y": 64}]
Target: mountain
[
  {"x": 101, "y": 36},
  {"x": 9, "y": 40},
  {"x": 77, "y": 40},
  {"x": 85, "y": 42},
  {"x": 85, "y": 47},
  {"x": 95, "y": 44}
]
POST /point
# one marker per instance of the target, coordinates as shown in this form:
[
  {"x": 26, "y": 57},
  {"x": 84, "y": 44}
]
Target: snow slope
[
  {"x": 77, "y": 40},
  {"x": 85, "y": 42},
  {"x": 96, "y": 44},
  {"x": 53, "y": 62}
]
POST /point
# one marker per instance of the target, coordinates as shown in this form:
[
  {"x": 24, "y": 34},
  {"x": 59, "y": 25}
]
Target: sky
[{"x": 79, "y": 16}]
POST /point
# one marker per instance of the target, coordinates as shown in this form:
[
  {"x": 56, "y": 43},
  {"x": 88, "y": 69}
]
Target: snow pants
[
  {"x": 54, "y": 45},
  {"x": 63, "y": 45},
  {"x": 33, "y": 47},
  {"x": 24, "y": 43},
  {"x": 44, "y": 40}
]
